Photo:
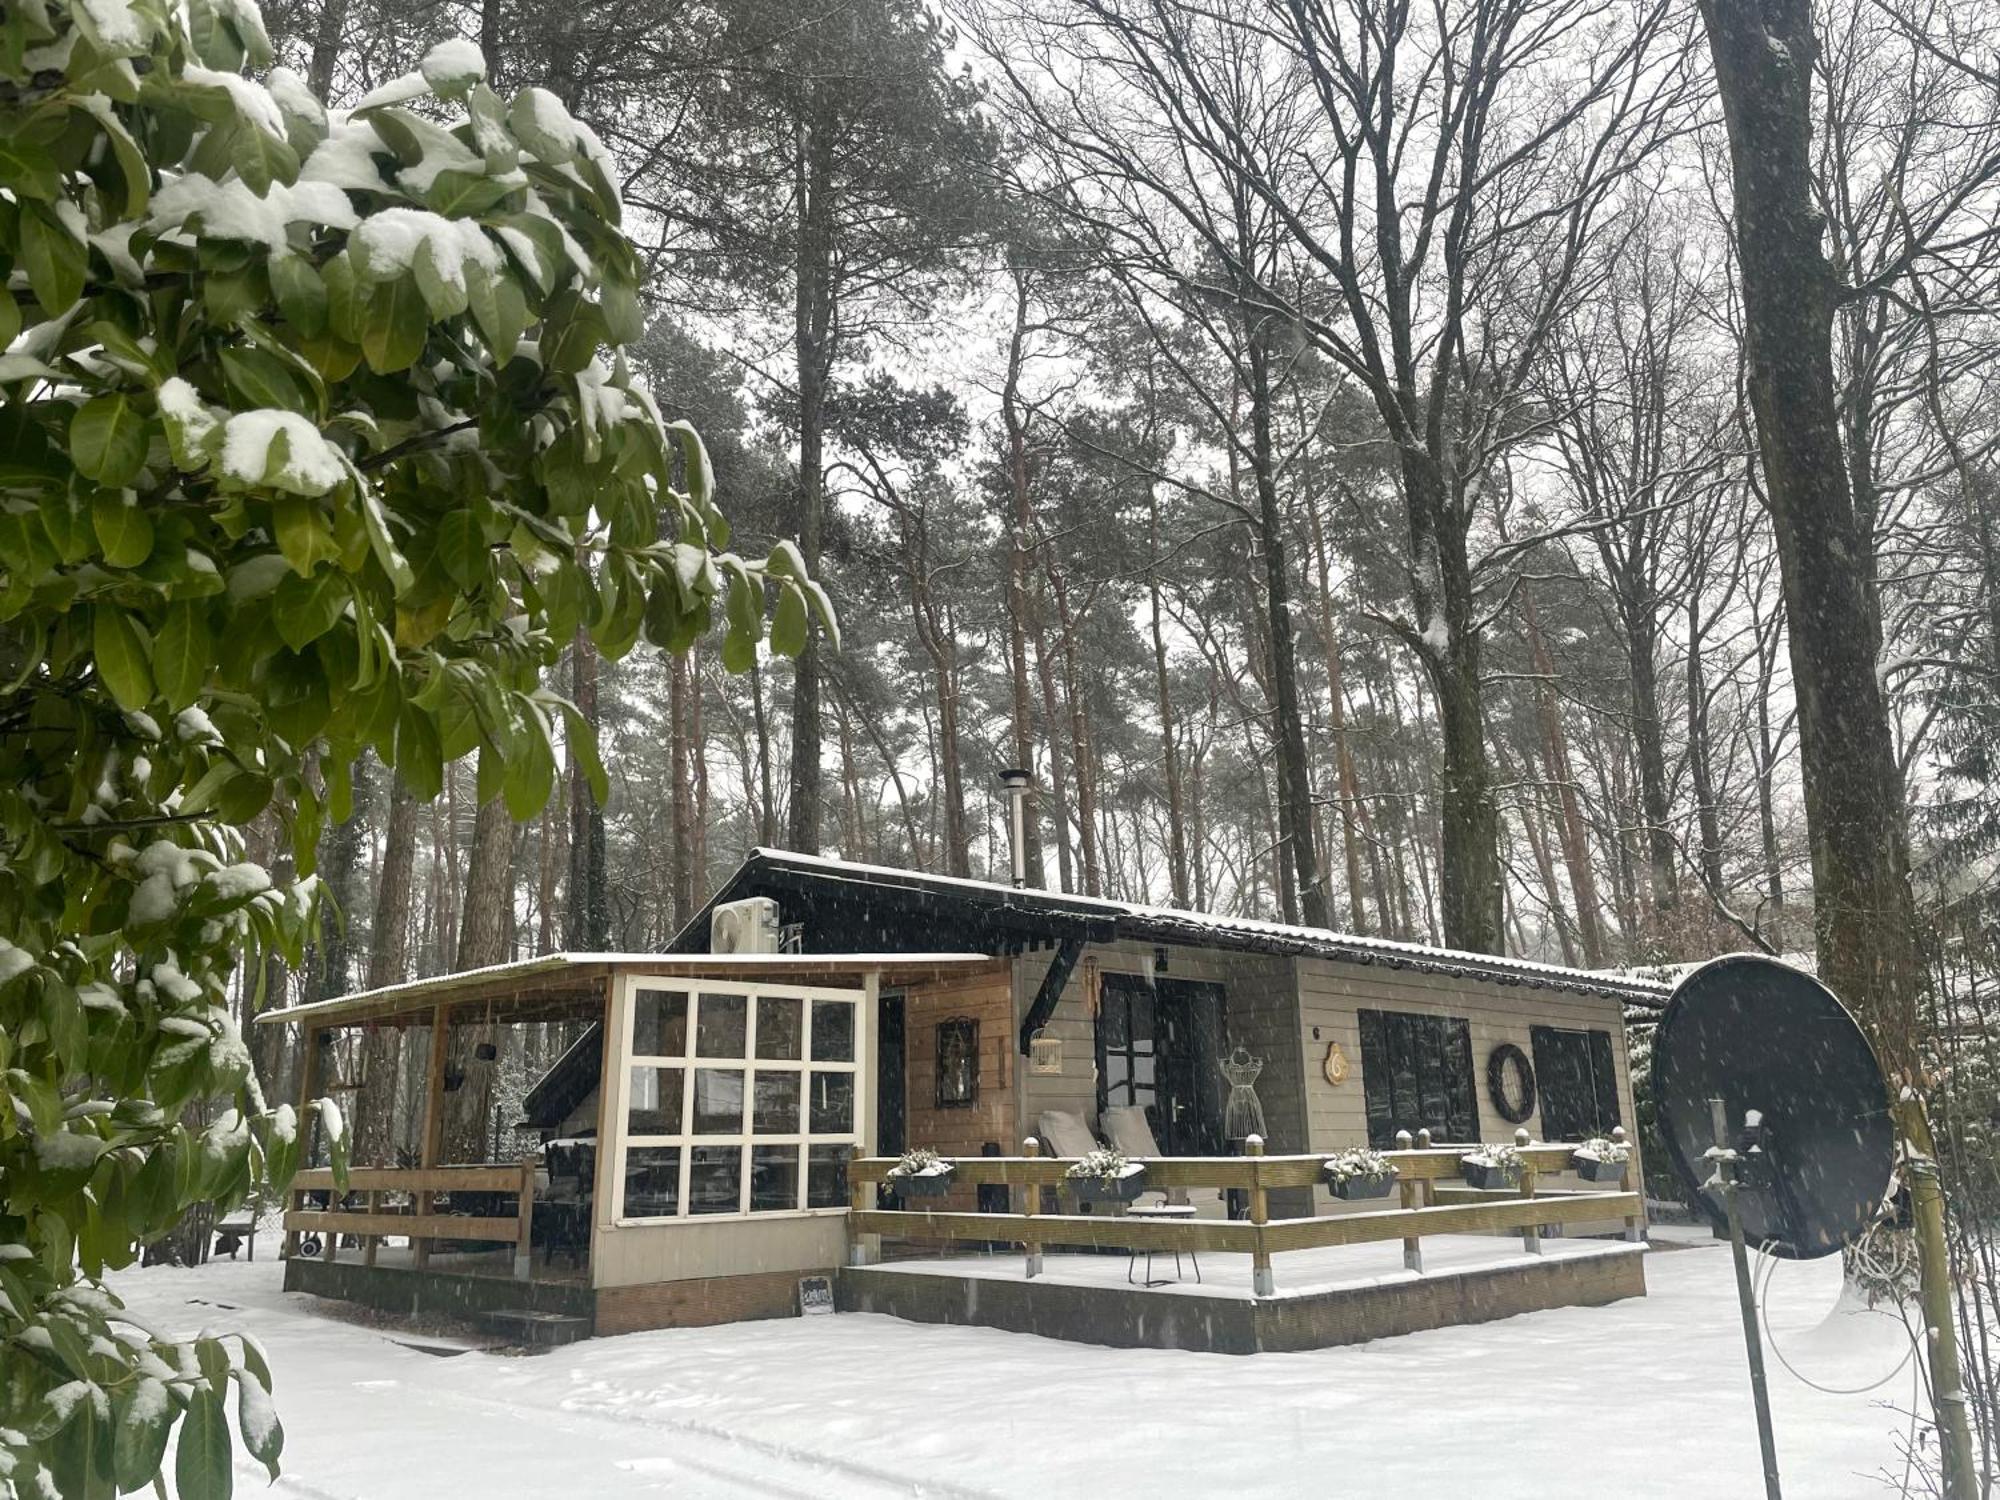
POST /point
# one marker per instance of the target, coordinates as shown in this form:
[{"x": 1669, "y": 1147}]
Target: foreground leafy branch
[{"x": 314, "y": 439}]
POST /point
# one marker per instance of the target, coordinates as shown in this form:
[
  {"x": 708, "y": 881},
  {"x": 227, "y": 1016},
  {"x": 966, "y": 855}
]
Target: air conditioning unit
[{"x": 744, "y": 926}]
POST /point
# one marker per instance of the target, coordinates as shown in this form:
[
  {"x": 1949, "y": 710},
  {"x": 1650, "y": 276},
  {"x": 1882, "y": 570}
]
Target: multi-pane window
[
  {"x": 1576, "y": 1083},
  {"x": 737, "y": 1100},
  {"x": 1416, "y": 1074},
  {"x": 1127, "y": 1039}
]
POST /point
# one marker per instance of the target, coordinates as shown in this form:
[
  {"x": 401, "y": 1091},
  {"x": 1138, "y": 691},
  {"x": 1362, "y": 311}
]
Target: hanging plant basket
[
  {"x": 921, "y": 1173},
  {"x": 1495, "y": 1167},
  {"x": 932, "y": 1183},
  {"x": 1591, "y": 1169},
  {"x": 1124, "y": 1187},
  {"x": 1352, "y": 1188},
  {"x": 1359, "y": 1173}
]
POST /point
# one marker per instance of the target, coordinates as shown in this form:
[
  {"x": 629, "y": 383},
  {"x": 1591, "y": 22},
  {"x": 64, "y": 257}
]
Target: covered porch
[{"x": 603, "y": 1139}]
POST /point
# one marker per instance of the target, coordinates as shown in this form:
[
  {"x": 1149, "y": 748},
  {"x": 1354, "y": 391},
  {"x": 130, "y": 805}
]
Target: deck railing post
[
  {"x": 1410, "y": 1190},
  {"x": 370, "y": 1241},
  {"x": 524, "y": 1242},
  {"x": 1531, "y": 1234},
  {"x": 1635, "y": 1224},
  {"x": 1031, "y": 1193},
  {"x": 860, "y": 1198},
  {"x": 1262, "y": 1282}
]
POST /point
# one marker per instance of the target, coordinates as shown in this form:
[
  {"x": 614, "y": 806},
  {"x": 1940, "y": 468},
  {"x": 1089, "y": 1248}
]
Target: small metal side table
[{"x": 1174, "y": 1211}]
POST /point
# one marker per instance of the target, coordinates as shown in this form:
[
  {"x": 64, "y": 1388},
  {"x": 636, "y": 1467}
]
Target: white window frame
[{"x": 625, "y": 1013}]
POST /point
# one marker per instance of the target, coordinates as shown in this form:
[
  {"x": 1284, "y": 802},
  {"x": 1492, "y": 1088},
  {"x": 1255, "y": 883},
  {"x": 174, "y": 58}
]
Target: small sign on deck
[{"x": 815, "y": 1295}]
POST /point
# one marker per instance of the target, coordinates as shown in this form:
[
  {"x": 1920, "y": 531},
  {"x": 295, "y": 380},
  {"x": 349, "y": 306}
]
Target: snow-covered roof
[
  {"x": 551, "y": 968},
  {"x": 1160, "y": 924}
]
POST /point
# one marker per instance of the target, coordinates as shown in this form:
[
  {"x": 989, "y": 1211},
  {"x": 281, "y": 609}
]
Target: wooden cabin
[{"x": 913, "y": 1010}]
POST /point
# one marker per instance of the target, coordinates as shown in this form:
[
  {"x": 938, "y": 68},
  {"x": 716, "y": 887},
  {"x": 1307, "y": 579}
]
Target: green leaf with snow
[
  {"x": 124, "y": 529},
  {"x": 107, "y": 440}
]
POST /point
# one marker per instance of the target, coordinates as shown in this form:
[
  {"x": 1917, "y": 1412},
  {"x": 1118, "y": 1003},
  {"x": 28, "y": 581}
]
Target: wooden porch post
[
  {"x": 1531, "y": 1234},
  {"x": 308, "y": 1081},
  {"x": 1262, "y": 1282},
  {"x": 1031, "y": 1199},
  {"x": 1411, "y": 1192},
  {"x": 420, "y": 1249},
  {"x": 524, "y": 1245}
]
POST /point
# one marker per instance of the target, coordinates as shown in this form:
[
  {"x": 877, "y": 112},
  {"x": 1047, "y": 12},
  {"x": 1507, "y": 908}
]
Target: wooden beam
[
  {"x": 308, "y": 1080},
  {"x": 1466, "y": 1218},
  {"x": 494, "y": 1179},
  {"x": 418, "y": 1227},
  {"x": 433, "y": 1141}
]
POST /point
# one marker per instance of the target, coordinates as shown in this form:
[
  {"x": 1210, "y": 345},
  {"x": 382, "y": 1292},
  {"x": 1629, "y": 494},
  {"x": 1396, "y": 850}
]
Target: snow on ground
[{"x": 1644, "y": 1398}]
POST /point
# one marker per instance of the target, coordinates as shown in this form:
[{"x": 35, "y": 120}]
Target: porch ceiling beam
[{"x": 1068, "y": 951}]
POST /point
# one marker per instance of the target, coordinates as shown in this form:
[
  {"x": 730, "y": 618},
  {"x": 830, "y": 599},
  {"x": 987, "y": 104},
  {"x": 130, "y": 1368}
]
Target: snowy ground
[{"x": 1644, "y": 1398}]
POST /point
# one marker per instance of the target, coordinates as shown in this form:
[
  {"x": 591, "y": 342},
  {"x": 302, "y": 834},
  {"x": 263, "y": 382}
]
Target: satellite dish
[{"x": 1786, "y": 1060}]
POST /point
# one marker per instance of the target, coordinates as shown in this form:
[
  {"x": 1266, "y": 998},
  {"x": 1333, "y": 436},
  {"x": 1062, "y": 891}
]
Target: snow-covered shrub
[
  {"x": 317, "y": 439},
  {"x": 919, "y": 1161}
]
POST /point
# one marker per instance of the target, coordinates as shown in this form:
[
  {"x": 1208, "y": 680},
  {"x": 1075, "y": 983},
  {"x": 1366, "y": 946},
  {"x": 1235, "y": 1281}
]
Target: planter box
[
  {"x": 1362, "y": 1187},
  {"x": 1590, "y": 1169},
  {"x": 1479, "y": 1175},
  {"x": 921, "y": 1184},
  {"x": 1122, "y": 1189}
]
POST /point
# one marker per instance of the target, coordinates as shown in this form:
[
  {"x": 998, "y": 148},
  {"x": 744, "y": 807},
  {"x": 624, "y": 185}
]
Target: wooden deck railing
[
  {"x": 417, "y": 1222},
  {"x": 1419, "y": 1172}
]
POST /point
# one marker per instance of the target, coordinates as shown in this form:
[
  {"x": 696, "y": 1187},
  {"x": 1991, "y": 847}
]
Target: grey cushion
[
  {"x": 1064, "y": 1133},
  {"x": 1128, "y": 1129}
]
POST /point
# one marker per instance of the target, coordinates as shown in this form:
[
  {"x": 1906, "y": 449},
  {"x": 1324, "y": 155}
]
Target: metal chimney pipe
[{"x": 1016, "y": 783}]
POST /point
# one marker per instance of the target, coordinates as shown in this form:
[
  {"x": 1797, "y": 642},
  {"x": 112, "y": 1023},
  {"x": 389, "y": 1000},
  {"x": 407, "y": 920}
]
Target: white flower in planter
[
  {"x": 1106, "y": 1164},
  {"x": 1503, "y": 1161},
  {"x": 1603, "y": 1148},
  {"x": 920, "y": 1161},
  {"x": 1357, "y": 1161}
]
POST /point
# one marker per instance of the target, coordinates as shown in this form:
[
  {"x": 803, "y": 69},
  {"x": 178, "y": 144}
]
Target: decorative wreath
[{"x": 1513, "y": 1098}]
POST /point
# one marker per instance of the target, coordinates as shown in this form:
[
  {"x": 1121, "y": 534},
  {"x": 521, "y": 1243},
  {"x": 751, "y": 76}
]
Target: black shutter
[
  {"x": 1375, "y": 1079},
  {"x": 1462, "y": 1120},
  {"x": 1604, "y": 1075}
]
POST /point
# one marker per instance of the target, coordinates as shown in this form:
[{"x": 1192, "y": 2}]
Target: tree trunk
[
  {"x": 1170, "y": 764},
  {"x": 587, "y": 915},
  {"x": 1661, "y": 860},
  {"x": 1555, "y": 754},
  {"x": 388, "y": 963},
  {"x": 680, "y": 846},
  {"x": 1020, "y": 558},
  {"x": 327, "y": 37},
  {"x": 812, "y": 327},
  {"x": 1295, "y": 808},
  {"x": 1058, "y": 774},
  {"x": 1864, "y": 915},
  {"x": 482, "y": 941}
]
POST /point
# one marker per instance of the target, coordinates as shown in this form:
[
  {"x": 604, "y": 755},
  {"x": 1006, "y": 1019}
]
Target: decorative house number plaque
[{"x": 1335, "y": 1066}]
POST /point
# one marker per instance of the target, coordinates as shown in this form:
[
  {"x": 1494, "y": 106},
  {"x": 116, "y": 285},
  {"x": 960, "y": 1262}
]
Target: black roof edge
[{"x": 1017, "y": 918}]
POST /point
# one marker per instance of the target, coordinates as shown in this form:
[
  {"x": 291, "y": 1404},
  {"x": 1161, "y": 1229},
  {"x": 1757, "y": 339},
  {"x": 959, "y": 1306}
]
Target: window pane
[
  {"x": 652, "y": 1182},
  {"x": 1142, "y": 1017},
  {"x": 1117, "y": 1078},
  {"x": 720, "y": 1026},
  {"x": 774, "y": 1178},
  {"x": 826, "y": 1177},
  {"x": 659, "y": 1024},
  {"x": 718, "y": 1101},
  {"x": 715, "y": 1180},
  {"x": 833, "y": 1031},
  {"x": 774, "y": 1109},
  {"x": 779, "y": 1026},
  {"x": 655, "y": 1105},
  {"x": 832, "y": 1103},
  {"x": 1114, "y": 1016}
]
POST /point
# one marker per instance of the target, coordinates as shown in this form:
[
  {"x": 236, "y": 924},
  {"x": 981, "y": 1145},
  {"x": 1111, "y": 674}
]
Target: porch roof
[
  {"x": 530, "y": 988},
  {"x": 879, "y": 903}
]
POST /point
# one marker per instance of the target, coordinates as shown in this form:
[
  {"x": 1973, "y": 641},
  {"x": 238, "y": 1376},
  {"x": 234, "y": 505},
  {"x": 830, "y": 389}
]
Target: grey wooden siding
[{"x": 1331, "y": 993}]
